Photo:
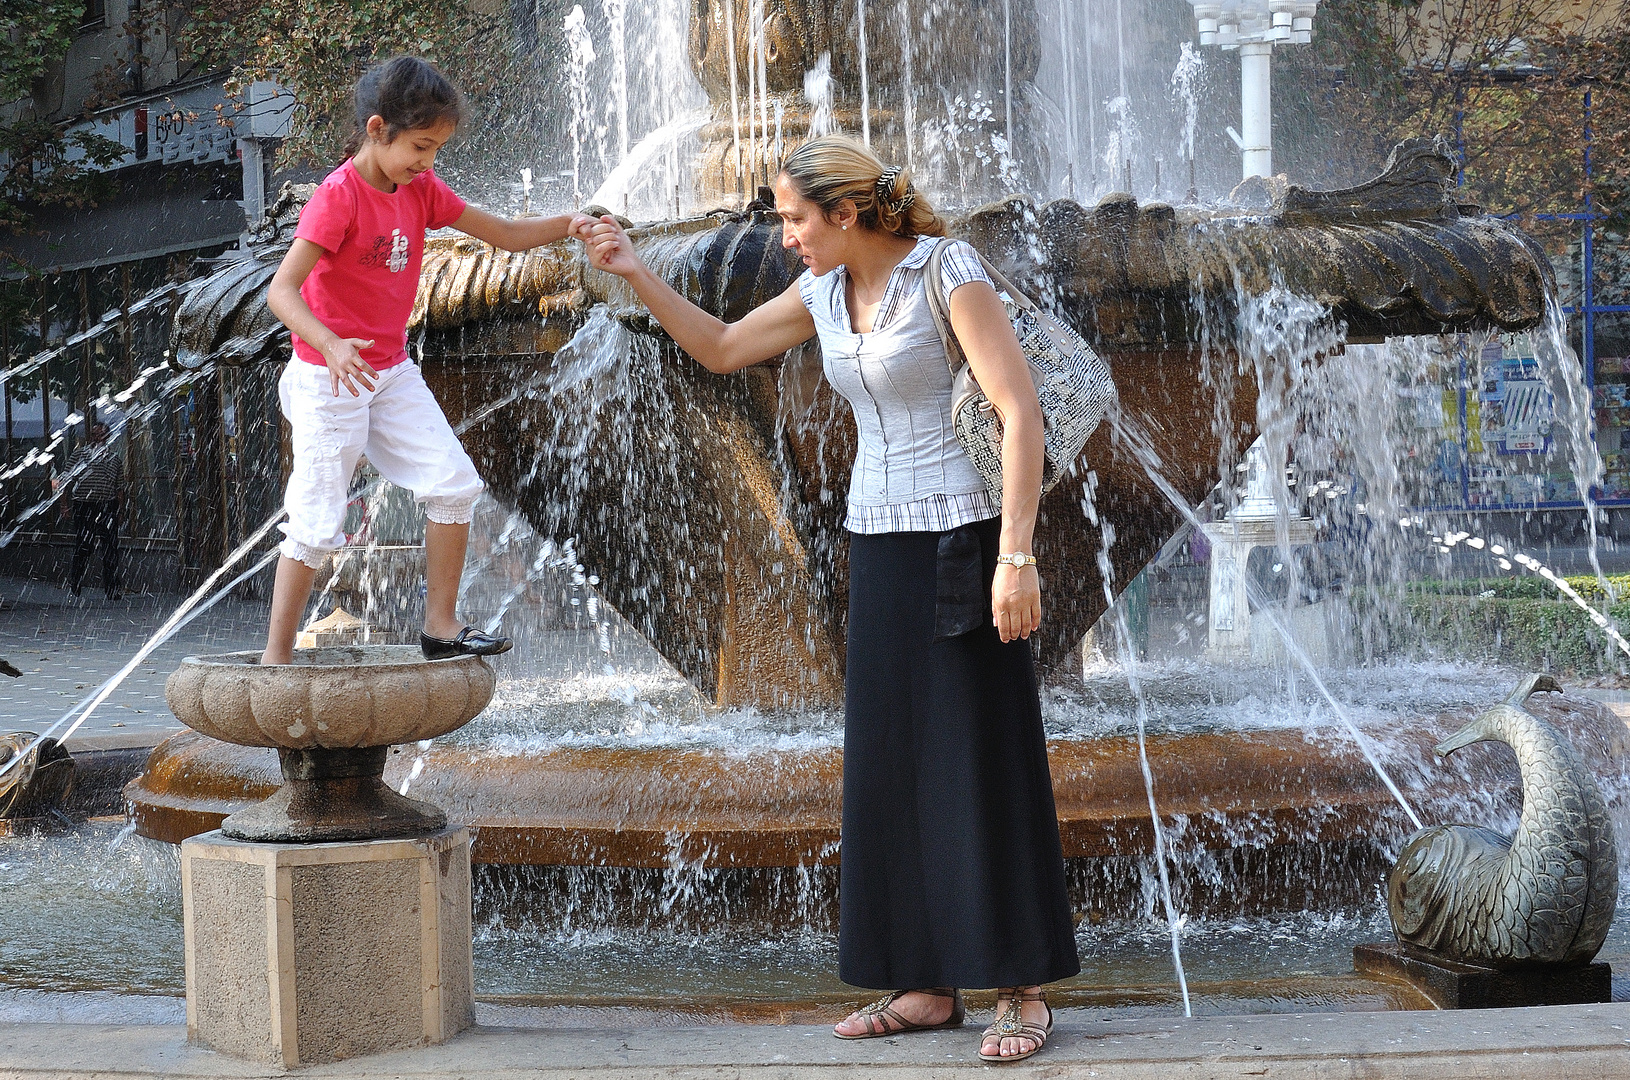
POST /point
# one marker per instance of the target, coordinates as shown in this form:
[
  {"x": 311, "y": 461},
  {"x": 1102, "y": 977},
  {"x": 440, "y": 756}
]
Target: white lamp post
[{"x": 1254, "y": 27}]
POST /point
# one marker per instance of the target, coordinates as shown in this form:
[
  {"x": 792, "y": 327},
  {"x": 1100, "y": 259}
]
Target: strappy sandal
[
  {"x": 1011, "y": 1025},
  {"x": 880, "y": 1015}
]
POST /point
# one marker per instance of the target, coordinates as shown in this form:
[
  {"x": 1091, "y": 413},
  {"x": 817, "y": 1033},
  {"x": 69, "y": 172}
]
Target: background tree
[
  {"x": 44, "y": 165},
  {"x": 320, "y": 48},
  {"x": 1505, "y": 81}
]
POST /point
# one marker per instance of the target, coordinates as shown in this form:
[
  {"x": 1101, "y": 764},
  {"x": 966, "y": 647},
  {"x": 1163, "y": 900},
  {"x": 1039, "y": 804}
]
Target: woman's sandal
[
  {"x": 879, "y": 1015},
  {"x": 1011, "y": 1025}
]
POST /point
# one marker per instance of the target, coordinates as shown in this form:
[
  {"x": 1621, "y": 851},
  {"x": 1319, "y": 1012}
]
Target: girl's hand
[
  {"x": 345, "y": 363},
  {"x": 611, "y": 250},
  {"x": 1015, "y": 601},
  {"x": 582, "y": 227}
]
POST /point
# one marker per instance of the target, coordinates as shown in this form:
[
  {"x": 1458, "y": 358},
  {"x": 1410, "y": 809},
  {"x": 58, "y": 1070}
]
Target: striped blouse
[{"x": 911, "y": 474}]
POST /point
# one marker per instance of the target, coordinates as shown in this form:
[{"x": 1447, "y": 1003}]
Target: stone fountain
[
  {"x": 333, "y": 918},
  {"x": 685, "y": 461},
  {"x": 594, "y": 426}
]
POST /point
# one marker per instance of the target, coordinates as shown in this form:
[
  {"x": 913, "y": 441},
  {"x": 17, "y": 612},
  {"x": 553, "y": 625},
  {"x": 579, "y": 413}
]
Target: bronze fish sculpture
[{"x": 1544, "y": 896}]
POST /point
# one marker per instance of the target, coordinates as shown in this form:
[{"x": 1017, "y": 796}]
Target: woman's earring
[{"x": 845, "y": 228}]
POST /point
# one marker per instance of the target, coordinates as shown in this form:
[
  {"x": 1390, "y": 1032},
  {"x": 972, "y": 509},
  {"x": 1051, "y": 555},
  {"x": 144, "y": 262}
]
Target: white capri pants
[{"x": 401, "y": 428}]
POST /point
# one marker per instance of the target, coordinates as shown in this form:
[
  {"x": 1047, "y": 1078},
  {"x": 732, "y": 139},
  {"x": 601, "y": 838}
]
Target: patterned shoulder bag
[{"x": 1073, "y": 383}]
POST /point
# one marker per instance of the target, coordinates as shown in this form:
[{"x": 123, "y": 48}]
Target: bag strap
[
  {"x": 933, "y": 277},
  {"x": 954, "y": 355}
]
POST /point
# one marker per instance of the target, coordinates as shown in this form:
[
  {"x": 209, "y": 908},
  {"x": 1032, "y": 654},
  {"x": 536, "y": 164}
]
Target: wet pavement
[
  {"x": 66, "y": 646},
  {"x": 1534, "y": 1044}
]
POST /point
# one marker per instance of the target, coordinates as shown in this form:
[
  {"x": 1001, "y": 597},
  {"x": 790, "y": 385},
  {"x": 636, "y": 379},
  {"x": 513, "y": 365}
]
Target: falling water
[
  {"x": 735, "y": 92},
  {"x": 865, "y": 75},
  {"x": 200, "y": 601},
  {"x": 580, "y": 47},
  {"x": 1067, "y": 47},
  {"x": 908, "y": 90},
  {"x": 1131, "y": 435},
  {"x": 44, "y": 456},
  {"x": 616, "y": 30},
  {"x": 755, "y": 23},
  {"x": 1129, "y": 663},
  {"x": 818, "y": 92},
  {"x": 1186, "y": 85},
  {"x": 763, "y": 73}
]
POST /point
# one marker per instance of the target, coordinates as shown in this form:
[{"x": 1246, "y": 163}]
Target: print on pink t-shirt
[{"x": 373, "y": 242}]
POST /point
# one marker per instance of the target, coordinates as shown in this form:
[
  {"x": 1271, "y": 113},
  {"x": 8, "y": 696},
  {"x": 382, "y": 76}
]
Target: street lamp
[{"x": 1254, "y": 27}]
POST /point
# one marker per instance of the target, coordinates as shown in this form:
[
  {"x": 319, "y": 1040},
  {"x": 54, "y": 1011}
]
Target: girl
[
  {"x": 952, "y": 872},
  {"x": 345, "y": 290}
]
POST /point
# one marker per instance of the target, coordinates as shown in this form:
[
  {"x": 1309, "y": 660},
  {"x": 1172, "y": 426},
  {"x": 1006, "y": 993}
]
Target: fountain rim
[{"x": 381, "y": 656}]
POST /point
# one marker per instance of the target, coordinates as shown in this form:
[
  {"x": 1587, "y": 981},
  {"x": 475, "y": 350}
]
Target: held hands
[
  {"x": 609, "y": 248},
  {"x": 1016, "y": 601},
  {"x": 345, "y": 363},
  {"x": 581, "y": 226}
]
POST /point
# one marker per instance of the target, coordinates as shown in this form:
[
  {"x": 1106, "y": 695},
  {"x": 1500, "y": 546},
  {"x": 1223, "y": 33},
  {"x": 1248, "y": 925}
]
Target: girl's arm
[
  {"x": 519, "y": 234},
  {"x": 768, "y": 330},
  {"x": 986, "y": 337},
  {"x": 283, "y": 297}
]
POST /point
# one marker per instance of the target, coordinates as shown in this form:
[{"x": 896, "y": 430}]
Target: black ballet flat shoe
[{"x": 469, "y": 642}]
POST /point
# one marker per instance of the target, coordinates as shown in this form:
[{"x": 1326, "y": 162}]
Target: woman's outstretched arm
[
  {"x": 768, "y": 330},
  {"x": 993, "y": 352}
]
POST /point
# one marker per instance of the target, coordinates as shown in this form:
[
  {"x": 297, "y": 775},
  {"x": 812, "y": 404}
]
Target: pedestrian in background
[{"x": 96, "y": 493}]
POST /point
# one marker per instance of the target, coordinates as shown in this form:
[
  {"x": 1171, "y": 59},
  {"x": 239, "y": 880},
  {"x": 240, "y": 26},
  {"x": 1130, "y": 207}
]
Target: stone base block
[
  {"x": 305, "y": 953},
  {"x": 1452, "y": 985}
]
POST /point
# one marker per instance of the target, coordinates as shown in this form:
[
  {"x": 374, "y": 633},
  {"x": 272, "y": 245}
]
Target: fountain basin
[
  {"x": 658, "y": 807},
  {"x": 331, "y": 716},
  {"x": 332, "y": 697}
]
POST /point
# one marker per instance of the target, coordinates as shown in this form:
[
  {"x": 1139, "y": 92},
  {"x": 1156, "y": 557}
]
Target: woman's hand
[
  {"x": 582, "y": 227},
  {"x": 611, "y": 250},
  {"x": 345, "y": 363},
  {"x": 1015, "y": 601}
]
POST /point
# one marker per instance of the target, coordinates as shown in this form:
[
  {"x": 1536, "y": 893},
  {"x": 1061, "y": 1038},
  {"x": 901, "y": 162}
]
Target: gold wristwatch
[{"x": 1017, "y": 559}]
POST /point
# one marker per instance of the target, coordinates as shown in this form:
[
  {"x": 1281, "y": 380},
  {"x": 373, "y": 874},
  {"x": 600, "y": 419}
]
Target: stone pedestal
[
  {"x": 1322, "y": 630},
  {"x": 305, "y": 953},
  {"x": 1231, "y": 545},
  {"x": 1451, "y": 985}
]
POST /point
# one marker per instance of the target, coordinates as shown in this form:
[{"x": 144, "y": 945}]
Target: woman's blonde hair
[{"x": 832, "y": 168}]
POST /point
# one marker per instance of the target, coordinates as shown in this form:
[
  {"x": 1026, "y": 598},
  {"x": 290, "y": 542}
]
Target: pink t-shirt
[{"x": 372, "y": 241}]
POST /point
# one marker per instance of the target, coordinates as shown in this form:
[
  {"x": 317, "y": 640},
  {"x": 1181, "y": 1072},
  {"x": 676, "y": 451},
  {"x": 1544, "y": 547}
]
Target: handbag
[{"x": 1072, "y": 381}]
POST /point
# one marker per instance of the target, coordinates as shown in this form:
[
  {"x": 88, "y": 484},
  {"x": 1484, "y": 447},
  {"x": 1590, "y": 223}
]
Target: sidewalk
[
  {"x": 1533, "y": 1044},
  {"x": 67, "y": 646}
]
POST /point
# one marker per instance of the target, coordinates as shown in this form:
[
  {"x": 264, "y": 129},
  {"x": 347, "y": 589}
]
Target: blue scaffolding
[{"x": 1586, "y": 309}]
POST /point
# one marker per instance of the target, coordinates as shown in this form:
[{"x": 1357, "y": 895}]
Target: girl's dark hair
[{"x": 407, "y": 93}]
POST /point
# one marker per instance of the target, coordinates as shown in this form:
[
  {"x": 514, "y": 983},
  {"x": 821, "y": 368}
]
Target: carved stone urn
[{"x": 333, "y": 716}]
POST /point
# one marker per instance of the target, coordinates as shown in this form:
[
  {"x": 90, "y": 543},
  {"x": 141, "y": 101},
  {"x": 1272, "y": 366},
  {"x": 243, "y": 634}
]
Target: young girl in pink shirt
[{"x": 345, "y": 290}]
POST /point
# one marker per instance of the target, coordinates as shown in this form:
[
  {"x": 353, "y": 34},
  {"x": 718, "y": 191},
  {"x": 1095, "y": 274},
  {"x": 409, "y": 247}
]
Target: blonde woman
[{"x": 952, "y": 874}]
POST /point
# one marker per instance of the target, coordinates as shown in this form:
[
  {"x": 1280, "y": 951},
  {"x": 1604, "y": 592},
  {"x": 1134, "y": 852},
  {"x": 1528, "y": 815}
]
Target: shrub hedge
[{"x": 1519, "y": 621}]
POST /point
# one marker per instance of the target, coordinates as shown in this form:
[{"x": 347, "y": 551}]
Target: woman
[{"x": 952, "y": 874}]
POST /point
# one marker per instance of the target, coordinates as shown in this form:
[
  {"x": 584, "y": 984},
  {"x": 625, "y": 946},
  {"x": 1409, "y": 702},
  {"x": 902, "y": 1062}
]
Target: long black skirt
[{"x": 952, "y": 873}]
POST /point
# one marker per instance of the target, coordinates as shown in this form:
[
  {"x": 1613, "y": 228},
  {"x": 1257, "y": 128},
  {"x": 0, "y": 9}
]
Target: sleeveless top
[{"x": 910, "y": 472}]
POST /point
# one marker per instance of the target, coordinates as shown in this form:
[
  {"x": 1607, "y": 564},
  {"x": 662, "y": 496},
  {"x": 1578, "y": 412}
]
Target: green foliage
[
  {"x": 38, "y": 171},
  {"x": 34, "y": 34},
  {"x": 1526, "y": 587},
  {"x": 318, "y": 49},
  {"x": 1519, "y": 621},
  {"x": 1510, "y": 78}
]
